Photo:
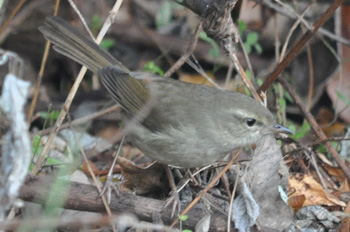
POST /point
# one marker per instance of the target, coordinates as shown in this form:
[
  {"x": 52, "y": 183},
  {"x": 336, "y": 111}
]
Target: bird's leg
[
  {"x": 174, "y": 194},
  {"x": 109, "y": 185}
]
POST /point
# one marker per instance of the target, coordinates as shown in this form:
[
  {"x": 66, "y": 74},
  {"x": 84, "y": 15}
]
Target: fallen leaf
[
  {"x": 197, "y": 79},
  {"x": 344, "y": 187},
  {"x": 296, "y": 202},
  {"x": 142, "y": 179},
  {"x": 335, "y": 172},
  {"x": 312, "y": 190}
]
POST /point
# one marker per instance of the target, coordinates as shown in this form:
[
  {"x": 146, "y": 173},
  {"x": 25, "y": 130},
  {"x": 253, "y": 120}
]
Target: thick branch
[{"x": 84, "y": 197}]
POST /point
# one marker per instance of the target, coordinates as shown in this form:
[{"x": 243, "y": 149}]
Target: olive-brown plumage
[{"x": 175, "y": 123}]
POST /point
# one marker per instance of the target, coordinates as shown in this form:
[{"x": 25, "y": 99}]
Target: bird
[{"x": 176, "y": 123}]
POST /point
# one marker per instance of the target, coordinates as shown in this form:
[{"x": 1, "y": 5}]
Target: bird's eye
[{"x": 251, "y": 122}]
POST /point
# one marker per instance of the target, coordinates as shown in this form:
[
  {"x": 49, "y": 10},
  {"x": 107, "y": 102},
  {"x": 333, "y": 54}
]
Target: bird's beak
[{"x": 277, "y": 128}]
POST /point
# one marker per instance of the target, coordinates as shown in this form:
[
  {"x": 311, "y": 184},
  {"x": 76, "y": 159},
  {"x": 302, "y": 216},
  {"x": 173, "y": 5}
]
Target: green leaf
[
  {"x": 260, "y": 82},
  {"x": 291, "y": 126},
  {"x": 183, "y": 218},
  {"x": 282, "y": 103},
  {"x": 36, "y": 148},
  {"x": 215, "y": 51},
  {"x": 203, "y": 36},
  {"x": 252, "y": 38},
  {"x": 247, "y": 92},
  {"x": 287, "y": 96},
  {"x": 95, "y": 23},
  {"x": 241, "y": 26},
  {"x": 107, "y": 43},
  {"x": 44, "y": 114},
  {"x": 302, "y": 131},
  {"x": 36, "y": 140},
  {"x": 153, "y": 68},
  {"x": 50, "y": 115},
  {"x": 187, "y": 230},
  {"x": 248, "y": 48},
  {"x": 258, "y": 48},
  {"x": 323, "y": 149},
  {"x": 55, "y": 114},
  {"x": 53, "y": 161}
]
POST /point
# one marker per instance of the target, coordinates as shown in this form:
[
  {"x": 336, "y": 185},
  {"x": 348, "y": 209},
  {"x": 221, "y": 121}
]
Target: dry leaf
[
  {"x": 335, "y": 172},
  {"x": 197, "y": 79},
  {"x": 93, "y": 167},
  {"x": 142, "y": 179},
  {"x": 344, "y": 187},
  {"x": 336, "y": 129},
  {"x": 313, "y": 191},
  {"x": 296, "y": 202}
]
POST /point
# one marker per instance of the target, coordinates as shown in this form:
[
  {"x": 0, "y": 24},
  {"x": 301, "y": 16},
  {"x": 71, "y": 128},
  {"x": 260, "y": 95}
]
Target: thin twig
[
  {"x": 311, "y": 77},
  {"x": 244, "y": 77},
  {"x": 297, "y": 47},
  {"x": 73, "y": 91},
  {"x": 249, "y": 64},
  {"x": 188, "y": 53},
  {"x": 293, "y": 15},
  {"x": 20, "y": 18},
  {"x": 196, "y": 66},
  {"x": 91, "y": 172},
  {"x": 81, "y": 120},
  {"x": 210, "y": 185},
  {"x": 317, "y": 143},
  {"x": 7, "y": 22},
  {"x": 318, "y": 131},
  {"x": 228, "y": 75},
  {"x": 75, "y": 8},
  {"x": 289, "y": 35},
  {"x": 232, "y": 198},
  {"x": 41, "y": 72}
]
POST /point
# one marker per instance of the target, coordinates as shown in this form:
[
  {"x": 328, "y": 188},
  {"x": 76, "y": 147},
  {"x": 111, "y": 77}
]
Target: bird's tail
[{"x": 72, "y": 43}]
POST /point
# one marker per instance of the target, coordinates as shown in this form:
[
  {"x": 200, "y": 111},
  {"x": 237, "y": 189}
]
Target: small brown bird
[{"x": 173, "y": 122}]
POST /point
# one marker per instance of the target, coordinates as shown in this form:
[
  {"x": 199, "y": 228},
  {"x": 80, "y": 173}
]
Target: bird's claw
[
  {"x": 108, "y": 187},
  {"x": 174, "y": 199}
]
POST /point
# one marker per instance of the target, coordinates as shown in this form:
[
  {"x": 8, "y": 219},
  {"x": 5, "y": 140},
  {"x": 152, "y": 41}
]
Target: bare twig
[
  {"x": 311, "y": 77},
  {"x": 91, "y": 172},
  {"x": 73, "y": 91},
  {"x": 18, "y": 6},
  {"x": 289, "y": 12},
  {"x": 316, "y": 127},
  {"x": 75, "y": 8},
  {"x": 232, "y": 199},
  {"x": 81, "y": 120},
  {"x": 316, "y": 143},
  {"x": 20, "y": 17},
  {"x": 297, "y": 47},
  {"x": 210, "y": 185},
  {"x": 41, "y": 72},
  {"x": 244, "y": 76},
  {"x": 188, "y": 53},
  {"x": 249, "y": 64}
]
